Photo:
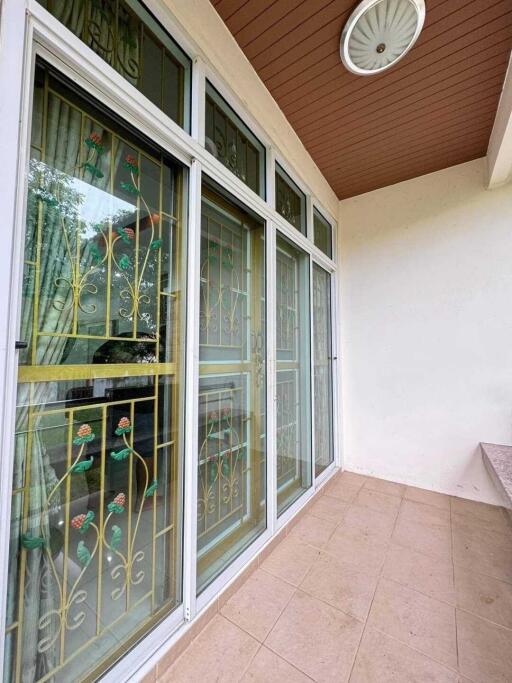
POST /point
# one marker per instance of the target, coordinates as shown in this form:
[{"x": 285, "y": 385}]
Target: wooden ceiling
[{"x": 434, "y": 109}]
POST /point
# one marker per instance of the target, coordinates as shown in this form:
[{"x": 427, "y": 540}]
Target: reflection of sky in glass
[{"x": 98, "y": 206}]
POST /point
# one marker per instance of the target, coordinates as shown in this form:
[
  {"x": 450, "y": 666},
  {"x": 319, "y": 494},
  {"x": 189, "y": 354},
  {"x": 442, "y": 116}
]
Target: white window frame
[{"x": 28, "y": 30}]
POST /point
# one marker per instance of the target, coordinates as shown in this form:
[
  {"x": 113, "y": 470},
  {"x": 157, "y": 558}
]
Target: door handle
[{"x": 20, "y": 345}]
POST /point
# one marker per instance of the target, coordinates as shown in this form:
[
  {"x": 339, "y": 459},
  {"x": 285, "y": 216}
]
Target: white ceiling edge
[{"x": 499, "y": 150}]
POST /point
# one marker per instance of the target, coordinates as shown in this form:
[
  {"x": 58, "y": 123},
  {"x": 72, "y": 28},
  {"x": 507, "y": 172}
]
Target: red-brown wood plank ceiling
[{"x": 434, "y": 109}]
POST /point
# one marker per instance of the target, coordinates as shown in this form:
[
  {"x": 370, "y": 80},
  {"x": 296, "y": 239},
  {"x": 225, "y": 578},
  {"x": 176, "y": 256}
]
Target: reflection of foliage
[
  {"x": 133, "y": 291},
  {"x": 84, "y": 257},
  {"x": 83, "y": 248}
]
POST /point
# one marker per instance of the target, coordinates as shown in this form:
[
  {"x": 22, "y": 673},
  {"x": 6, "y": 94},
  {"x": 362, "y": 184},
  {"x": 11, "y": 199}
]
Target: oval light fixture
[{"x": 379, "y": 33}]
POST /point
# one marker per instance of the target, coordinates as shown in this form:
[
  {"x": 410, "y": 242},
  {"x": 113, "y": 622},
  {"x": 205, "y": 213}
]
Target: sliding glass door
[
  {"x": 96, "y": 553},
  {"x": 322, "y": 369},
  {"x": 293, "y": 375},
  {"x": 231, "y": 496}
]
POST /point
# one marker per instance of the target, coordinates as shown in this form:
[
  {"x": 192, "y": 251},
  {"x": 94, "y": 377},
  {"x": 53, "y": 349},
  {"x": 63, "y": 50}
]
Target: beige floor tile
[
  {"x": 353, "y": 478},
  {"x": 388, "y": 487},
  {"x": 149, "y": 677},
  {"x": 438, "y": 500},
  {"x": 370, "y": 522},
  {"x": 481, "y": 517},
  {"x": 485, "y": 596},
  {"x": 413, "y": 511},
  {"x": 432, "y": 576},
  {"x": 291, "y": 560},
  {"x": 313, "y": 530},
  {"x": 267, "y": 667},
  {"x": 341, "y": 490},
  {"x": 256, "y": 606},
  {"x": 351, "y": 546},
  {"x": 478, "y": 528},
  {"x": 219, "y": 653},
  {"x": 423, "y": 623},
  {"x": 381, "y": 502},
  {"x": 485, "y": 649},
  {"x": 342, "y": 585},
  {"x": 381, "y": 659},
  {"x": 172, "y": 654},
  {"x": 483, "y": 556},
  {"x": 429, "y": 539},
  {"x": 318, "y": 639},
  {"x": 327, "y": 507},
  {"x": 483, "y": 511}
]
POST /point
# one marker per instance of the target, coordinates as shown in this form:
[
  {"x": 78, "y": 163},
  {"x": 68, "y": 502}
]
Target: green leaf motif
[
  {"x": 117, "y": 535},
  {"x": 79, "y": 440},
  {"x": 87, "y": 522},
  {"x": 82, "y": 466},
  {"x": 115, "y": 508},
  {"x": 123, "y": 430},
  {"x": 124, "y": 262},
  {"x": 83, "y": 554},
  {"x": 156, "y": 244},
  {"x": 93, "y": 170},
  {"x": 120, "y": 455},
  {"x": 131, "y": 167},
  {"x": 122, "y": 234},
  {"x": 94, "y": 145},
  {"x": 151, "y": 489},
  {"x": 32, "y": 542},
  {"x": 130, "y": 188}
]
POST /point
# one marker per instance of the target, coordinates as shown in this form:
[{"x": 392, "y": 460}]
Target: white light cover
[{"x": 379, "y": 33}]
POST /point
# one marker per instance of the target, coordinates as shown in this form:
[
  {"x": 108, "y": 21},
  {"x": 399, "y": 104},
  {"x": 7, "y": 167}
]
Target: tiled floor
[{"x": 377, "y": 582}]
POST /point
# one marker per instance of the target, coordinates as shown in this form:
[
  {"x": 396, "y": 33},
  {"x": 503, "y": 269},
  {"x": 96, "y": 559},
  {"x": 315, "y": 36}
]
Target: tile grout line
[
  {"x": 373, "y": 596},
  {"x": 277, "y": 618},
  {"x": 486, "y": 619},
  {"x": 381, "y": 576},
  {"x": 420, "y": 652},
  {"x": 319, "y": 551},
  {"x": 260, "y": 645}
]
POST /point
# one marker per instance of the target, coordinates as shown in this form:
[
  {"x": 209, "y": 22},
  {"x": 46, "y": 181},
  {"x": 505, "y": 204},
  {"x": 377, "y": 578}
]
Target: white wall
[
  {"x": 199, "y": 19},
  {"x": 426, "y": 329}
]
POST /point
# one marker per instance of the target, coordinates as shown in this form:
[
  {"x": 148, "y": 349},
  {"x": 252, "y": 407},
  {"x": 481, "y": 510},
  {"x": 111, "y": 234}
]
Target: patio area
[{"x": 375, "y": 582}]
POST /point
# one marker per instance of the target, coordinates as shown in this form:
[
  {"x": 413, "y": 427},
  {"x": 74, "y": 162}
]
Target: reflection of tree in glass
[{"x": 88, "y": 248}]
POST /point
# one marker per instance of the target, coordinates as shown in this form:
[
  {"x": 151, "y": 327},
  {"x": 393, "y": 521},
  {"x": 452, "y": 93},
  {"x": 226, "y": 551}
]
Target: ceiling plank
[{"x": 434, "y": 109}]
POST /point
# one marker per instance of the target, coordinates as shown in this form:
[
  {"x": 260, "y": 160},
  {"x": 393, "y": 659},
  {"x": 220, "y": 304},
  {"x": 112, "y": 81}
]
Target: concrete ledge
[{"x": 498, "y": 462}]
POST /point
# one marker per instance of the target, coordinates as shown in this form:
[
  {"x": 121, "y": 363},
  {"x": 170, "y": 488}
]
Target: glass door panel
[
  {"x": 293, "y": 438},
  {"x": 231, "y": 497},
  {"x": 95, "y": 557},
  {"x": 322, "y": 369}
]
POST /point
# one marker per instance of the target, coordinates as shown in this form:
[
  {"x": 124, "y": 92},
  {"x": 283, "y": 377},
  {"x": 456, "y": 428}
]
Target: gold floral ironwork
[{"x": 95, "y": 569}]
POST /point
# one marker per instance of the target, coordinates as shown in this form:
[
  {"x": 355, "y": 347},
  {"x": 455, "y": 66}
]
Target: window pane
[
  {"x": 232, "y": 143},
  {"x": 290, "y": 200},
  {"x": 129, "y": 38},
  {"x": 231, "y": 505},
  {"x": 322, "y": 345},
  {"x": 95, "y": 556},
  {"x": 322, "y": 232},
  {"x": 293, "y": 438}
]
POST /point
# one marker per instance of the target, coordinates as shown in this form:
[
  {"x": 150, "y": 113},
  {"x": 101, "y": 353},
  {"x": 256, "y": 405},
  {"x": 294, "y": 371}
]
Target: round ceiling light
[{"x": 378, "y": 33}]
